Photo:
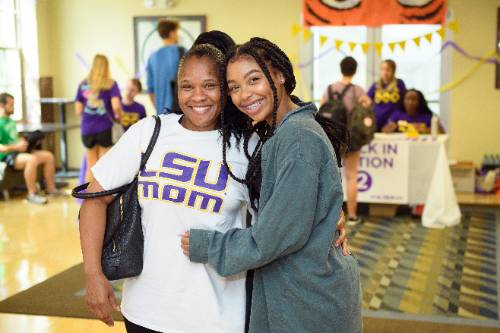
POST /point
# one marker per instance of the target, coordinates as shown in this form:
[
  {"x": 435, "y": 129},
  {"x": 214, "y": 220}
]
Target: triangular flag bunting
[
  {"x": 441, "y": 33},
  {"x": 392, "y": 46},
  {"x": 453, "y": 26},
  {"x": 352, "y": 46},
  {"x": 364, "y": 47},
  {"x": 322, "y": 40},
  {"x": 338, "y": 44},
  {"x": 416, "y": 40},
  {"x": 295, "y": 29},
  {"x": 428, "y": 37},
  {"x": 378, "y": 48},
  {"x": 307, "y": 34},
  {"x": 402, "y": 45}
]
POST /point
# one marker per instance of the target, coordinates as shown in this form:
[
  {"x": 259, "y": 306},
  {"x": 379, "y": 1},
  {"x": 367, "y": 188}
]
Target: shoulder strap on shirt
[
  {"x": 344, "y": 91},
  {"x": 77, "y": 191},
  {"x": 330, "y": 93}
]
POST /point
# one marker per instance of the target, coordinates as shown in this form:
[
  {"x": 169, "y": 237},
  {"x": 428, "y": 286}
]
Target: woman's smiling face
[
  {"x": 249, "y": 88},
  {"x": 199, "y": 93}
]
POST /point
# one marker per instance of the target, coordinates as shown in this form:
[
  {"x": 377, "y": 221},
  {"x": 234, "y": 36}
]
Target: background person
[
  {"x": 132, "y": 110},
  {"x": 162, "y": 66},
  {"x": 13, "y": 151},
  {"x": 387, "y": 93},
  {"x": 354, "y": 94},
  {"x": 98, "y": 103}
]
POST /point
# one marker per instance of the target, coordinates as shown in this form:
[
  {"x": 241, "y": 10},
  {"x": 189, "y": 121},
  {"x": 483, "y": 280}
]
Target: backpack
[
  {"x": 334, "y": 108},
  {"x": 361, "y": 124}
]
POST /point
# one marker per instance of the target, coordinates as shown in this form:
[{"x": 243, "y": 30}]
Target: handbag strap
[{"x": 77, "y": 191}]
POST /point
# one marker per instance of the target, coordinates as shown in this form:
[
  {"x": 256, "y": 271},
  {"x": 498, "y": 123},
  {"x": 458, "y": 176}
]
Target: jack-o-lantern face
[{"x": 373, "y": 13}]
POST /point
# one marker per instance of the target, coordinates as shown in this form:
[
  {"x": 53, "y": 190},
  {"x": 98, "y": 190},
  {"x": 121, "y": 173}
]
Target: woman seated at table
[{"x": 415, "y": 111}]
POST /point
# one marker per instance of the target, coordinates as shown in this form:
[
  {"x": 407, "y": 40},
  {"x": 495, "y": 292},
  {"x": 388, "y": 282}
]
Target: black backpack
[
  {"x": 360, "y": 122},
  {"x": 334, "y": 108}
]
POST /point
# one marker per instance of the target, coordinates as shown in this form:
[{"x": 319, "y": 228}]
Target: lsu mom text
[{"x": 183, "y": 180}]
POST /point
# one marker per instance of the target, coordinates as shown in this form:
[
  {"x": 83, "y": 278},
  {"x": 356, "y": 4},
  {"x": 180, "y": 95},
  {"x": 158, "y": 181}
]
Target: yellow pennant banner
[
  {"x": 307, "y": 34},
  {"x": 338, "y": 44},
  {"x": 323, "y": 39},
  {"x": 402, "y": 45}
]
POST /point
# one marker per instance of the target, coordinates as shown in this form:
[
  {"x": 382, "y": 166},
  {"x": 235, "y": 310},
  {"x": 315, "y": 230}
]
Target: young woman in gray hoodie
[{"x": 302, "y": 282}]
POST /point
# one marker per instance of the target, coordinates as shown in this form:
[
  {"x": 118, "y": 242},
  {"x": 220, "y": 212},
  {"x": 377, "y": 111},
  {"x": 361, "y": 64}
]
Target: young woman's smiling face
[
  {"x": 249, "y": 88},
  {"x": 199, "y": 94}
]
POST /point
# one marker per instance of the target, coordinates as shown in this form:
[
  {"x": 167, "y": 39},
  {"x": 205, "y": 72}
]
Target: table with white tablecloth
[{"x": 395, "y": 169}]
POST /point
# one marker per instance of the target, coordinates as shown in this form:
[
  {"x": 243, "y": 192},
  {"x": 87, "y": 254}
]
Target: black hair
[
  {"x": 348, "y": 66},
  {"x": 4, "y": 97},
  {"x": 216, "y": 38},
  {"x": 165, "y": 27},
  {"x": 269, "y": 55},
  {"x": 423, "y": 107},
  {"x": 237, "y": 121}
]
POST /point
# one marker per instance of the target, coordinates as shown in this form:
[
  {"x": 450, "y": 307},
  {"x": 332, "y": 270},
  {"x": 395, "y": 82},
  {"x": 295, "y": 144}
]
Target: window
[
  {"x": 326, "y": 68},
  {"x": 10, "y": 54},
  {"x": 419, "y": 67}
]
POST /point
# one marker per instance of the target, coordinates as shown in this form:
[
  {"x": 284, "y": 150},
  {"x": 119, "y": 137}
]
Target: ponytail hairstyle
[
  {"x": 268, "y": 55},
  {"x": 99, "y": 77}
]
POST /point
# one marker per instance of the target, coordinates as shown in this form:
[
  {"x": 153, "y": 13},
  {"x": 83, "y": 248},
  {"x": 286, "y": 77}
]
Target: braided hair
[{"x": 268, "y": 55}]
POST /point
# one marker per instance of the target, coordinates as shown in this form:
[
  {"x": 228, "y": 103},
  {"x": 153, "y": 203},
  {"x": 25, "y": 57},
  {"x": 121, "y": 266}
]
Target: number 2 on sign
[{"x": 364, "y": 181}]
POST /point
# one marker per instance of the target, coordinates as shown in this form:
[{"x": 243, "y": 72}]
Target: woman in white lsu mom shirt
[{"x": 184, "y": 185}]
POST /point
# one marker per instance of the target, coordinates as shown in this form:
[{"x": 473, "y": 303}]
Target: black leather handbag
[{"x": 123, "y": 245}]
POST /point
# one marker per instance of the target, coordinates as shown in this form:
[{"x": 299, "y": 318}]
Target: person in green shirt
[{"x": 13, "y": 151}]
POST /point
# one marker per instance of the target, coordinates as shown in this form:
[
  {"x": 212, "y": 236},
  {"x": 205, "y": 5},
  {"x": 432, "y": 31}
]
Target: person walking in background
[
  {"x": 15, "y": 153},
  {"x": 352, "y": 94},
  {"x": 132, "y": 111},
  {"x": 162, "y": 66},
  {"x": 98, "y": 103},
  {"x": 386, "y": 93}
]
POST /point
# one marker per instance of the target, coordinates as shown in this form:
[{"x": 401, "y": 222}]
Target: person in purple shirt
[
  {"x": 386, "y": 93},
  {"x": 132, "y": 111},
  {"x": 415, "y": 111},
  {"x": 98, "y": 103}
]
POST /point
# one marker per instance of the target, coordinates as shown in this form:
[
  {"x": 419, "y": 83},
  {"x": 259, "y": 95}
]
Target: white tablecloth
[{"x": 428, "y": 177}]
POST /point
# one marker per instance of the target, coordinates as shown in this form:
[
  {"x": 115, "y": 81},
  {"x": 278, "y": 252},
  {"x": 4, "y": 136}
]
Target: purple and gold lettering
[
  {"x": 186, "y": 172},
  {"x": 201, "y": 175},
  {"x": 183, "y": 179},
  {"x": 146, "y": 186},
  {"x": 173, "y": 193},
  {"x": 205, "y": 200}
]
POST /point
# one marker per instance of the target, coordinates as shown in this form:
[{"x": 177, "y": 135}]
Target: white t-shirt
[{"x": 184, "y": 185}]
